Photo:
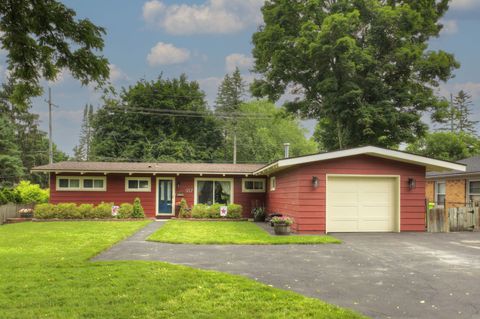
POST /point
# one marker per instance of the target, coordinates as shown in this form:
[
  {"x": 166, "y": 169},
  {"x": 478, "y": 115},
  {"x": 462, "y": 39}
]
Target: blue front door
[{"x": 165, "y": 194}]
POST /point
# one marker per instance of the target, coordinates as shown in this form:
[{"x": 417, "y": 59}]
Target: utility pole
[
  {"x": 452, "y": 113},
  {"x": 235, "y": 146},
  {"x": 50, "y": 142}
]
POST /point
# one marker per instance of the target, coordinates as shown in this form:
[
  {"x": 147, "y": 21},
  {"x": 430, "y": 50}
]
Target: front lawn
[
  {"x": 236, "y": 233},
  {"x": 45, "y": 273}
]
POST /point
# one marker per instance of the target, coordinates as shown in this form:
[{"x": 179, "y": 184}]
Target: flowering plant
[
  {"x": 25, "y": 211},
  {"x": 282, "y": 221}
]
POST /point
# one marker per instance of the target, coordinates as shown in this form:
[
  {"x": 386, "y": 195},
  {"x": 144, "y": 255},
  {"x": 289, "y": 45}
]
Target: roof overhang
[
  {"x": 429, "y": 163},
  {"x": 135, "y": 172}
]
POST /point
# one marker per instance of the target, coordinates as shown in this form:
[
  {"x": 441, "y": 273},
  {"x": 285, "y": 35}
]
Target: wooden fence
[
  {"x": 10, "y": 211},
  {"x": 455, "y": 219}
]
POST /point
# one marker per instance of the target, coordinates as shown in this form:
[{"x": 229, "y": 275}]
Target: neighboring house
[
  {"x": 455, "y": 188},
  {"x": 365, "y": 189}
]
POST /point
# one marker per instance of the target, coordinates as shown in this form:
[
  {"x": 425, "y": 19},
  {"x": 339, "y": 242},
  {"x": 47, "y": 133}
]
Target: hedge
[
  {"x": 213, "y": 211},
  {"x": 83, "y": 211}
]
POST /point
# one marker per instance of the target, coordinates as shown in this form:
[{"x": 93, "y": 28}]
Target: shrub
[
  {"x": 44, "y": 211},
  {"x": 67, "y": 211},
  {"x": 137, "y": 209},
  {"x": 282, "y": 221},
  {"x": 125, "y": 210},
  {"x": 11, "y": 195},
  {"x": 200, "y": 211},
  {"x": 235, "y": 211},
  {"x": 103, "y": 210},
  {"x": 214, "y": 211},
  {"x": 184, "y": 211},
  {"x": 31, "y": 193},
  {"x": 86, "y": 211},
  {"x": 259, "y": 214}
]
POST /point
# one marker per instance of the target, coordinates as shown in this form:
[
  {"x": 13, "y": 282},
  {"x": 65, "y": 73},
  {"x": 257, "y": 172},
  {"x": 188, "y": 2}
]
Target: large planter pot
[
  {"x": 281, "y": 229},
  {"x": 26, "y": 215}
]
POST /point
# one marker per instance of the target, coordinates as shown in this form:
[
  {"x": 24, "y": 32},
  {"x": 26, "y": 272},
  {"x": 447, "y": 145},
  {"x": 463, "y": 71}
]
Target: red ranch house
[{"x": 366, "y": 189}]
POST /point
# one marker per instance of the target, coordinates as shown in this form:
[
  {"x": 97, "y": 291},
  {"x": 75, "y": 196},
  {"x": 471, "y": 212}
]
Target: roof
[
  {"x": 429, "y": 163},
  {"x": 124, "y": 167},
  {"x": 473, "y": 168}
]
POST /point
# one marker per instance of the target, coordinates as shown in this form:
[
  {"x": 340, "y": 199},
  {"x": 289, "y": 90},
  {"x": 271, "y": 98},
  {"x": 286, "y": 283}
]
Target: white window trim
[
  {"x": 273, "y": 183},
  {"x": 467, "y": 200},
  {"x": 246, "y": 190},
  {"x": 80, "y": 188},
  {"x": 436, "y": 192},
  {"x": 138, "y": 190},
  {"x": 199, "y": 179}
]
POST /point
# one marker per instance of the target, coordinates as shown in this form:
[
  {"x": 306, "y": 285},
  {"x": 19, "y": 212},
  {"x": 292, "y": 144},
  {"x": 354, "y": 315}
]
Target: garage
[{"x": 362, "y": 204}]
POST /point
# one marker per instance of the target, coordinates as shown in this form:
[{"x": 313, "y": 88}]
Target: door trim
[
  {"x": 397, "y": 193},
  {"x": 173, "y": 195}
]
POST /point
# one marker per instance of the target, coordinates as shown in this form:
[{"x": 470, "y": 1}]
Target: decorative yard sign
[
  {"x": 115, "y": 210},
  {"x": 223, "y": 211}
]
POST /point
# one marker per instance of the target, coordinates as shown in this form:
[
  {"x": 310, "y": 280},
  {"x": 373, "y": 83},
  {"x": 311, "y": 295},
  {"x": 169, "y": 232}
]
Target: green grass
[
  {"x": 45, "y": 273},
  {"x": 235, "y": 233}
]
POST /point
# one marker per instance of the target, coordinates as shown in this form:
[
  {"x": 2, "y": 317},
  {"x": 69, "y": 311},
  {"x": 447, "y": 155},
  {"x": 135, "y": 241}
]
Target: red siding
[
  {"x": 116, "y": 192},
  {"x": 294, "y": 195}
]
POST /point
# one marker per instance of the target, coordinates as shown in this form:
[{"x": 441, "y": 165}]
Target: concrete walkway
[{"x": 408, "y": 275}]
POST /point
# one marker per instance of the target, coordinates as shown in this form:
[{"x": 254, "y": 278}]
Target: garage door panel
[{"x": 369, "y": 205}]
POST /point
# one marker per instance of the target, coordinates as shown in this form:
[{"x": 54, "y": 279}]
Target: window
[
  {"x": 474, "y": 192},
  {"x": 253, "y": 185},
  {"x": 81, "y": 183},
  {"x": 211, "y": 191},
  {"x": 137, "y": 184},
  {"x": 440, "y": 194},
  {"x": 273, "y": 183}
]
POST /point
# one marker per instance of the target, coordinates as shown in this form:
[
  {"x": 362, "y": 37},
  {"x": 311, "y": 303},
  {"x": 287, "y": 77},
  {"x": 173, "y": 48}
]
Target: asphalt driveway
[{"x": 407, "y": 275}]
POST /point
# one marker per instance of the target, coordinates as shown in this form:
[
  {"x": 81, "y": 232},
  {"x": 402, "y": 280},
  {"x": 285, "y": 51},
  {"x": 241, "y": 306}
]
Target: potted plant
[
  {"x": 259, "y": 214},
  {"x": 281, "y": 225},
  {"x": 26, "y": 213}
]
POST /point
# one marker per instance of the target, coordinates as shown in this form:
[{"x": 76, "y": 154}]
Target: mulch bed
[{"x": 213, "y": 219}]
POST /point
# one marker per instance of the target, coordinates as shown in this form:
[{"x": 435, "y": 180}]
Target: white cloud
[
  {"x": 449, "y": 27},
  {"x": 213, "y": 16},
  {"x": 117, "y": 74},
  {"x": 239, "y": 60},
  {"x": 464, "y": 4},
  {"x": 166, "y": 54}
]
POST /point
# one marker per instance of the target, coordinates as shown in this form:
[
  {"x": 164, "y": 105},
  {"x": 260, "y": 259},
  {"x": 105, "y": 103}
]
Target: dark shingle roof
[
  {"x": 149, "y": 167},
  {"x": 473, "y": 167}
]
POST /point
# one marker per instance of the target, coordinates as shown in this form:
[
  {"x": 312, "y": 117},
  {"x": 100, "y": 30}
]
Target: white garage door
[{"x": 361, "y": 204}]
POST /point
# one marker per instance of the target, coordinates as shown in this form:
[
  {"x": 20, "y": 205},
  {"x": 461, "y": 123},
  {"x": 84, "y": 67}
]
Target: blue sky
[{"x": 205, "y": 39}]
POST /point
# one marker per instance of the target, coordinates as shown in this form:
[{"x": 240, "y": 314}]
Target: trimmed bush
[
  {"x": 213, "y": 211},
  {"x": 184, "y": 211},
  {"x": 32, "y": 193},
  {"x": 125, "y": 211},
  {"x": 44, "y": 211},
  {"x": 67, "y": 211},
  {"x": 10, "y": 195},
  {"x": 86, "y": 210},
  {"x": 103, "y": 210},
  {"x": 137, "y": 209},
  {"x": 200, "y": 211}
]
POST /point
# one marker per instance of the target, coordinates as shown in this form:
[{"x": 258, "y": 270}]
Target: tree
[
  {"x": 11, "y": 168},
  {"x": 261, "y": 138},
  {"x": 446, "y": 146},
  {"x": 361, "y": 67},
  {"x": 231, "y": 93},
  {"x": 30, "y": 141},
  {"x": 463, "y": 103},
  {"x": 42, "y": 38},
  {"x": 82, "y": 150},
  {"x": 162, "y": 120}
]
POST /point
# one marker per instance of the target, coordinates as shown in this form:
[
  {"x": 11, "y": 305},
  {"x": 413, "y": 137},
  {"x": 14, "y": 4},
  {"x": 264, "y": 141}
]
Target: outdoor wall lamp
[
  {"x": 412, "y": 183},
  {"x": 315, "y": 181}
]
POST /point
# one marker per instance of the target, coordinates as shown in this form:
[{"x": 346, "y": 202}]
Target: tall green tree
[
  {"x": 448, "y": 146},
  {"x": 231, "y": 93},
  {"x": 11, "y": 167},
  {"x": 44, "y": 37},
  {"x": 456, "y": 116},
  {"x": 261, "y": 137},
  {"x": 361, "y": 67},
  {"x": 82, "y": 150},
  {"x": 162, "y": 120}
]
